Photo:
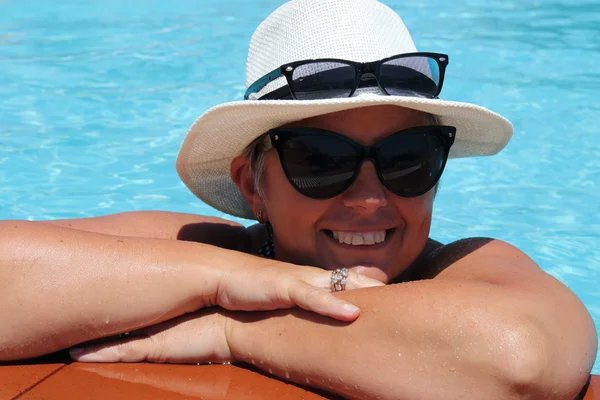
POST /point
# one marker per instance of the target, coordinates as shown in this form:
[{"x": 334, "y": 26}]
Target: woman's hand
[
  {"x": 202, "y": 336},
  {"x": 276, "y": 285},
  {"x": 192, "y": 338}
]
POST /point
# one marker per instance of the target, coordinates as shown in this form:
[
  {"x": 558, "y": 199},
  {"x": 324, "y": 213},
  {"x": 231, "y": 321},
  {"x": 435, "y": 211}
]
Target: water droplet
[
  {"x": 287, "y": 375},
  {"x": 270, "y": 371},
  {"x": 307, "y": 381},
  {"x": 253, "y": 362},
  {"x": 451, "y": 369}
]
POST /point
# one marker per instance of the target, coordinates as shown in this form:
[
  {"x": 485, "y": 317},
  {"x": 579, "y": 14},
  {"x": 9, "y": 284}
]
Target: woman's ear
[{"x": 244, "y": 179}]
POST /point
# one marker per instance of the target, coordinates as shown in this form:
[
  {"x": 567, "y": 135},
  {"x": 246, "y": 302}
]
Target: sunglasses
[
  {"x": 413, "y": 74},
  {"x": 322, "y": 164}
]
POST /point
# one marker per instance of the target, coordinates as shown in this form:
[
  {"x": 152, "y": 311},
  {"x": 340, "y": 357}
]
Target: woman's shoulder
[
  {"x": 436, "y": 256},
  {"x": 165, "y": 225}
]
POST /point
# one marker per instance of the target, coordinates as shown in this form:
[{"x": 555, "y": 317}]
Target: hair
[{"x": 255, "y": 154}]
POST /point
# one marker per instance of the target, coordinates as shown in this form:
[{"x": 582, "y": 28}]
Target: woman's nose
[{"x": 367, "y": 192}]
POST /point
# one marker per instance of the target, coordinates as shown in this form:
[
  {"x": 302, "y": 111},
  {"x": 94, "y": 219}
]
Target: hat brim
[{"x": 223, "y": 132}]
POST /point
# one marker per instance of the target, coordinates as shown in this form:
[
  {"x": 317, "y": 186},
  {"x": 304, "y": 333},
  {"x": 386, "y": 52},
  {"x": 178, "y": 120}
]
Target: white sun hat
[{"x": 354, "y": 30}]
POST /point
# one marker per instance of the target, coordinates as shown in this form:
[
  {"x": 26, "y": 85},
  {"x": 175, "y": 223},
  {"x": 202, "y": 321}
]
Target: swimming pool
[{"x": 97, "y": 96}]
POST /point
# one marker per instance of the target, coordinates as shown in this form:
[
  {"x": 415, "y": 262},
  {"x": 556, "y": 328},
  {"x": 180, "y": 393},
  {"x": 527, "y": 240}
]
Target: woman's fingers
[
  {"x": 322, "y": 302},
  {"x": 134, "y": 349},
  {"x": 271, "y": 288},
  {"x": 190, "y": 338},
  {"x": 317, "y": 297},
  {"x": 322, "y": 279},
  {"x": 358, "y": 281}
]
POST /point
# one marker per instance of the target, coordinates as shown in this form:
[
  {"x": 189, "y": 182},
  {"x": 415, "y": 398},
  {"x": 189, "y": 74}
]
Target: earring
[{"x": 259, "y": 217}]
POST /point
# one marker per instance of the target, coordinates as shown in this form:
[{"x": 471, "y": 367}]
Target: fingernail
[
  {"x": 351, "y": 308},
  {"x": 372, "y": 283}
]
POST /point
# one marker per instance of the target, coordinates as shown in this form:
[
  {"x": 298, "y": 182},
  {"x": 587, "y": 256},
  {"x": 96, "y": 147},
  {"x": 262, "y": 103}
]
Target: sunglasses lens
[
  {"x": 411, "y": 163},
  {"x": 323, "y": 80},
  {"x": 411, "y": 76},
  {"x": 318, "y": 166}
]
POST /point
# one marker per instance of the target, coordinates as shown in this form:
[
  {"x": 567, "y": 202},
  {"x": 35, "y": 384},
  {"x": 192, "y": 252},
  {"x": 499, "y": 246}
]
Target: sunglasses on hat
[
  {"x": 413, "y": 74},
  {"x": 321, "y": 164}
]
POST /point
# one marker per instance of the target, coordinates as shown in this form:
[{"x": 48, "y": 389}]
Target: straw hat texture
[{"x": 356, "y": 30}]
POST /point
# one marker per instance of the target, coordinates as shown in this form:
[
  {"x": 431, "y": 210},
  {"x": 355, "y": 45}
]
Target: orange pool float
[{"x": 55, "y": 377}]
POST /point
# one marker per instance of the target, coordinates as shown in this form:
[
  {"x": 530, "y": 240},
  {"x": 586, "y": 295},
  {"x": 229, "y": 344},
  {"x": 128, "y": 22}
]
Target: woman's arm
[
  {"x": 61, "y": 286},
  {"x": 490, "y": 326}
]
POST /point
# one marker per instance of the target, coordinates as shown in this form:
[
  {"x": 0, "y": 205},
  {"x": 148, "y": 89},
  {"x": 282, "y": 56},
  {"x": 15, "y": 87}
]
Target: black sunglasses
[
  {"x": 412, "y": 74},
  {"x": 321, "y": 164}
]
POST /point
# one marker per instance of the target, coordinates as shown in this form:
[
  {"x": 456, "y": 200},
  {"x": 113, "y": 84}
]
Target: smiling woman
[
  {"x": 350, "y": 203},
  {"x": 337, "y": 152}
]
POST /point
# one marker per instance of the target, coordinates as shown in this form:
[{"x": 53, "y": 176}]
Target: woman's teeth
[{"x": 359, "y": 238}]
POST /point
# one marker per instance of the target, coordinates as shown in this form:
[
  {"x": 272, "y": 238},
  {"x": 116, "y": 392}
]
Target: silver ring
[{"x": 338, "y": 279}]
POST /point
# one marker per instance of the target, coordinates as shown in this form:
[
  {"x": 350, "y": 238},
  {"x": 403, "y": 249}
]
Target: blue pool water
[{"x": 97, "y": 96}]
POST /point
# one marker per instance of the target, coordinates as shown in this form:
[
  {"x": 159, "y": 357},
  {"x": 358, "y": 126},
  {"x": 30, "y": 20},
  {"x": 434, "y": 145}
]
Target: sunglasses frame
[
  {"x": 361, "y": 69},
  {"x": 280, "y": 136}
]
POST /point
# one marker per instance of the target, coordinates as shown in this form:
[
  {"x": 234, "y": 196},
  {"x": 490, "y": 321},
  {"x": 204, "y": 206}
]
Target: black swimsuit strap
[{"x": 268, "y": 249}]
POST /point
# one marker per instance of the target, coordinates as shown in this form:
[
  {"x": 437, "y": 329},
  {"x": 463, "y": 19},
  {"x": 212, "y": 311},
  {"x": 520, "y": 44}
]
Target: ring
[{"x": 338, "y": 279}]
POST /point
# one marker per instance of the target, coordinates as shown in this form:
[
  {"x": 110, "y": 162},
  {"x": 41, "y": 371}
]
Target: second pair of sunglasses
[
  {"x": 322, "y": 164},
  {"x": 412, "y": 74}
]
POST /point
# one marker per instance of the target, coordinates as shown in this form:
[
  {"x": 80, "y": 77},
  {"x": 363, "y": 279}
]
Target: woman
[{"x": 338, "y": 158}]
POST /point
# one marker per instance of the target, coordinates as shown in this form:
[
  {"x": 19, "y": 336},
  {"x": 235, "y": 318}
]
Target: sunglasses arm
[{"x": 262, "y": 82}]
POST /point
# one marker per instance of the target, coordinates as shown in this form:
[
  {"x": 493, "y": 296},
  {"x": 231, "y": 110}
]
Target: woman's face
[{"x": 303, "y": 226}]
